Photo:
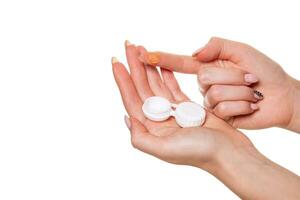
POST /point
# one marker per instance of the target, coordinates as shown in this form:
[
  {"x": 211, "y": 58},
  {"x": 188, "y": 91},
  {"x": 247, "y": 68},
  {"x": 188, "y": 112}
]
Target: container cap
[
  {"x": 157, "y": 108},
  {"x": 187, "y": 114}
]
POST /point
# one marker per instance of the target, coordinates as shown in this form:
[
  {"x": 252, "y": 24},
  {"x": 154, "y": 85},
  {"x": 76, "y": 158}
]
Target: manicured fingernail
[
  {"x": 114, "y": 60},
  {"x": 153, "y": 58},
  {"x": 250, "y": 78},
  {"x": 127, "y": 122},
  {"x": 127, "y": 43},
  {"x": 197, "y": 51},
  {"x": 258, "y": 95},
  {"x": 254, "y": 106}
]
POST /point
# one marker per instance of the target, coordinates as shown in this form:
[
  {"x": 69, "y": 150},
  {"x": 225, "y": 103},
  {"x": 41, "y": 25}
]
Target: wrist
[
  {"x": 235, "y": 167},
  {"x": 231, "y": 161},
  {"x": 251, "y": 175},
  {"x": 230, "y": 155},
  {"x": 294, "y": 123}
]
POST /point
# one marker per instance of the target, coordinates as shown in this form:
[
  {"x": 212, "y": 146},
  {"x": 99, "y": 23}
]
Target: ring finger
[{"x": 219, "y": 93}]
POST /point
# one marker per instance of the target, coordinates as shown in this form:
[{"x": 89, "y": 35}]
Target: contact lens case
[{"x": 186, "y": 114}]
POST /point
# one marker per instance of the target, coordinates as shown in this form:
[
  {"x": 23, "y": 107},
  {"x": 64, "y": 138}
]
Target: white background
[{"x": 62, "y": 134}]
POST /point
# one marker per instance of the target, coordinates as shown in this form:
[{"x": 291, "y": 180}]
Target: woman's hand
[
  {"x": 166, "y": 140},
  {"x": 215, "y": 147},
  {"x": 228, "y": 73}
]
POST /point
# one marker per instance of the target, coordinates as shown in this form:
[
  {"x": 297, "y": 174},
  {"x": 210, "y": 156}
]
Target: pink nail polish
[
  {"x": 254, "y": 106},
  {"x": 250, "y": 78},
  {"x": 127, "y": 122}
]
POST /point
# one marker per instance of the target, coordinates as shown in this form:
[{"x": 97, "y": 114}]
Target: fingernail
[
  {"x": 128, "y": 43},
  {"x": 127, "y": 122},
  {"x": 258, "y": 95},
  {"x": 254, "y": 106},
  {"x": 250, "y": 78},
  {"x": 197, "y": 51},
  {"x": 114, "y": 60},
  {"x": 153, "y": 58}
]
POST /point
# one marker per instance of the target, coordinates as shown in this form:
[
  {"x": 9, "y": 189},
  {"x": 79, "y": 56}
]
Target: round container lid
[
  {"x": 157, "y": 108},
  {"x": 187, "y": 114},
  {"x": 190, "y": 111}
]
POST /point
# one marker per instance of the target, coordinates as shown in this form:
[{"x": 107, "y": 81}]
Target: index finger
[{"x": 172, "y": 62}]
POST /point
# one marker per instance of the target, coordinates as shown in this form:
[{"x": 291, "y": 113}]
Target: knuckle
[
  {"x": 204, "y": 77},
  {"x": 214, "y": 39},
  {"x": 215, "y": 92},
  {"x": 244, "y": 46},
  {"x": 221, "y": 109}
]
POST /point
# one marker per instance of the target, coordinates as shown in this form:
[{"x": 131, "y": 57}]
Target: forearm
[
  {"x": 252, "y": 176},
  {"x": 294, "y": 124}
]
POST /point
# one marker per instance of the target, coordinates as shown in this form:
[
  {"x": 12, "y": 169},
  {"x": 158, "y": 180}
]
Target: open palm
[
  {"x": 166, "y": 140},
  {"x": 143, "y": 82}
]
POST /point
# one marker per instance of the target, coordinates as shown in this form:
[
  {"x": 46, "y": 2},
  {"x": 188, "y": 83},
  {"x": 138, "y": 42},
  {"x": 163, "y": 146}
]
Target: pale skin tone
[
  {"x": 216, "y": 147},
  {"x": 221, "y": 67}
]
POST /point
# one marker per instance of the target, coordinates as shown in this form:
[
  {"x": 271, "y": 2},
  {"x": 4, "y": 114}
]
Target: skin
[
  {"x": 215, "y": 147},
  {"x": 222, "y": 66}
]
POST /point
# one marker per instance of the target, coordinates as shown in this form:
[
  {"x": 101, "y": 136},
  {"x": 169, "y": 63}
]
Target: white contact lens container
[{"x": 186, "y": 114}]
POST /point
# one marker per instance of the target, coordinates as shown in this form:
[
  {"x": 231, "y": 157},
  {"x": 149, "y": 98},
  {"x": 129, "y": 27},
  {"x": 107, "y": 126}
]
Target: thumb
[
  {"x": 145, "y": 141},
  {"x": 219, "y": 48}
]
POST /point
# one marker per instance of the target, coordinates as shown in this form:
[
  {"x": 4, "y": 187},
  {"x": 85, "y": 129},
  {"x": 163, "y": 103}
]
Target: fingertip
[
  {"x": 147, "y": 57},
  {"x": 254, "y": 106},
  {"x": 114, "y": 64},
  {"x": 117, "y": 66},
  {"x": 204, "y": 55},
  {"x": 127, "y": 43},
  {"x": 250, "y": 78},
  {"x": 142, "y": 54},
  {"x": 141, "y": 49},
  {"x": 258, "y": 95},
  {"x": 211, "y": 51}
]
